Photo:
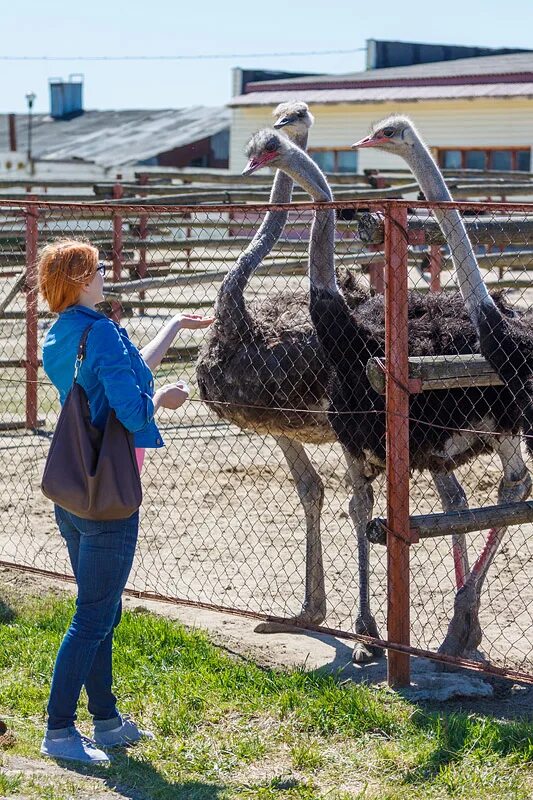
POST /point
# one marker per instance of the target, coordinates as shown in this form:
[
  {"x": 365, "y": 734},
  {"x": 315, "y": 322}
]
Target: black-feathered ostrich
[
  {"x": 262, "y": 358},
  {"x": 505, "y": 340},
  {"x": 439, "y": 324}
]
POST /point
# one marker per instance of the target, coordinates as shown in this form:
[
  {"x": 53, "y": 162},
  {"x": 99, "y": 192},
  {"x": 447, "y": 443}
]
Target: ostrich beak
[
  {"x": 368, "y": 141},
  {"x": 282, "y": 121},
  {"x": 256, "y": 162},
  {"x": 251, "y": 166}
]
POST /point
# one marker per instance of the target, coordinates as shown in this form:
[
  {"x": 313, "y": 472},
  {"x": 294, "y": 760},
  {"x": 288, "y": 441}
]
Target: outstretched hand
[
  {"x": 195, "y": 321},
  {"x": 172, "y": 396}
]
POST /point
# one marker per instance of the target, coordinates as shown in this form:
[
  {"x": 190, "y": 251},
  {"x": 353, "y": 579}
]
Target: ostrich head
[
  {"x": 266, "y": 148},
  {"x": 294, "y": 117},
  {"x": 394, "y": 134}
]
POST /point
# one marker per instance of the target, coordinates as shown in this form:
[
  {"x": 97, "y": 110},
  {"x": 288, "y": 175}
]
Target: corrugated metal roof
[
  {"x": 508, "y": 64},
  {"x": 117, "y": 138},
  {"x": 383, "y": 94}
]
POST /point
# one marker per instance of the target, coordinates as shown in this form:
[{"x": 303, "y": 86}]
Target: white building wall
[{"x": 466, "y": 123}]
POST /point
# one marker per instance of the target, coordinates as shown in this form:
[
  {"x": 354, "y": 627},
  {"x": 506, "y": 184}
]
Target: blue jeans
[{"x": 101, "y": 554}]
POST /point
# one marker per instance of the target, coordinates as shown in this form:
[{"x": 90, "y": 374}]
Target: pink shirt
[{"x": 139, "y": 454}]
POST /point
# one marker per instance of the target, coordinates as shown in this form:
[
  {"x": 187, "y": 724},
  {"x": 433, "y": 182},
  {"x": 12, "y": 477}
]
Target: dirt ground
[{"x": 222, "y": 524}]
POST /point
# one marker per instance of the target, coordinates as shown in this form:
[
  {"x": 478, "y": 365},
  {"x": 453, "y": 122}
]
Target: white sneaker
[
  {"x": 124, "y": 732},
  {"x": 71, "y": 745}
]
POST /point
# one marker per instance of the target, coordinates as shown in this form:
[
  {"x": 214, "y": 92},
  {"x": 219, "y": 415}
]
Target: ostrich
[
  {"x": 506, "y": 341},
  {"x": 439, "y": 324},
  {"x": 260, "y": 359}
]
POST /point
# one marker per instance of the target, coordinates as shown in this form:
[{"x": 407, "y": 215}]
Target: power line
[{"x": 202, "y": 57}]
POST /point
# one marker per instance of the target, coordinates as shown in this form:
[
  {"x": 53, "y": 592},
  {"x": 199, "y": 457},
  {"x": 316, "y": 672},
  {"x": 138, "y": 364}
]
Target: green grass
[{"x": 228, "y": 729}]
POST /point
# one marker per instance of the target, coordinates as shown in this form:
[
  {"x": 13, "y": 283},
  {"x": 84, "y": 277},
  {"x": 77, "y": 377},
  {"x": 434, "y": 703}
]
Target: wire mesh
[{"x": 252, "y": 463}]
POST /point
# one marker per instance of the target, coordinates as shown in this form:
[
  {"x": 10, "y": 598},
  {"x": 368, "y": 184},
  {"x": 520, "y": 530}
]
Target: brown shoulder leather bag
[{"x": 93, "y": 475}]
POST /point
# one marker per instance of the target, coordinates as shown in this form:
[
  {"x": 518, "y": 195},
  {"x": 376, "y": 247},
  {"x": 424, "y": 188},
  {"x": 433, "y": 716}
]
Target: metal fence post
[
  {"x": 397, "y": 413},
  {"x": 116, "y": 306},
  {"x": 143, "y": 233},
  {"x": 31, "y": 362}
]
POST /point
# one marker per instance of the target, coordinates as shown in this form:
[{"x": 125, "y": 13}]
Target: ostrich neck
[
  {"x": 469, "y": 277},
  {"x": 322, "y": 240},
  {"x": 230, "y": 307}
]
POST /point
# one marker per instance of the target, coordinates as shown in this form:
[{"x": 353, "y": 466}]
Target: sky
[{"x": 67, "y": 30}]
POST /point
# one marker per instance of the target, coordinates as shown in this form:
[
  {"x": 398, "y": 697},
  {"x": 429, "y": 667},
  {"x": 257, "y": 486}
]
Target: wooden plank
[
  {"x": 19, "y": 424},
  {"x": 428, "y": 526},
  {"x": 220, "y": 176},
  {"x": 14, "y": 363},
  {"x": 49, "y": 198},
  {"x": 237, "y": 196},
  {"x": 467, "y": 190},
  {"x": 426, "y": 230},
  {"x": 172, "y": 304},
  {"x": 15, "y": 289},
  {"x": 438, "y": 372}
]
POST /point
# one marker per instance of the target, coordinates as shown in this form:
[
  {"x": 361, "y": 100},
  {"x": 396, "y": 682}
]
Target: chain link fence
[{"x": 249, "y": 505}]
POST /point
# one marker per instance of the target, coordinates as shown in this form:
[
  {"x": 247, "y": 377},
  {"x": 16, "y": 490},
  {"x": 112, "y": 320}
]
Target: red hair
[{"x": 63, "y": 267}]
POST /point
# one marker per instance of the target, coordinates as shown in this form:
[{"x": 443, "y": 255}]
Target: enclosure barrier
[{"x": 222, "y": 525}]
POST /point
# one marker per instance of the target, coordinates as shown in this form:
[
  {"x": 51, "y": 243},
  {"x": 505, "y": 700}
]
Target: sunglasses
[{"x": 101, "y": 268}]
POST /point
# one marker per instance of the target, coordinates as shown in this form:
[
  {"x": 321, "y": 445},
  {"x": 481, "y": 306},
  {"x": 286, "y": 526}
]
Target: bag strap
[{"x": 82, "y": 351}]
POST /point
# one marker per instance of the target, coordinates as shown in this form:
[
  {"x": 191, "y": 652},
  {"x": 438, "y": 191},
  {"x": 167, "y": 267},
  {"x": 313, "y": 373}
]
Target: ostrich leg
[
  {"x": 361, "y": 505},
  {"x": 464, "y": 631},
  {"x": 311, "y": 492},
  {"x": 453, "y": 498}
]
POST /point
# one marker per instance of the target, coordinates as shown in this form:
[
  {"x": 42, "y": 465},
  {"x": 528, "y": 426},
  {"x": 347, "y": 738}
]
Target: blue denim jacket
[{"x": 113, "y": 373}]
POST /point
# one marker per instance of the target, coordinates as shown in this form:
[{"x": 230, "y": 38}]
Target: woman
[{"x": 114, "y": 375}]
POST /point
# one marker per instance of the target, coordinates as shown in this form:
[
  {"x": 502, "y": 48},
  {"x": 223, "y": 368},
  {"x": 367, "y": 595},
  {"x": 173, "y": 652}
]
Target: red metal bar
[
  {"x": 397, "y": 413},
  {"x": 478, "y": 666},
  {"x": 143, "y": 233},
  {"x": 435, "y": 266},
  {"x": 249, "y": 208},
  {"x": 32, "y": 360},
  {"x": 116, "y": 307}
]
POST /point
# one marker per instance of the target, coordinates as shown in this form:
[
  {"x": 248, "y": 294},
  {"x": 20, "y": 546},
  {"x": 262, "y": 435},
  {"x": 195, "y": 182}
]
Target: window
[
  {"x": 452, "y": 159},
  {"x": 518, "y": 158},
  {"x": 475, "y": 159},
  {"x": 325, "y": 160},
  {"x": 335, "y": 160},
  {"x": 523, "y": 160}
]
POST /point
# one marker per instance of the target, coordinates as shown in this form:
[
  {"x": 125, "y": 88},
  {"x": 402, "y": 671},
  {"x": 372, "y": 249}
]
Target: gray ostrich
[
  {"x": 439, "y": 324},
  {"x": 262, "y": 358},
  {"x": 506, "y": 340}
]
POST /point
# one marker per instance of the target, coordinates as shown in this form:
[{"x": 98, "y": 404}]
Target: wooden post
[
  {"x": 376, "y": 272},
  {"x": 116, "y": 308},
  {"x": 397, "y": 414},
  {"x": 32, "y": 362},
  {"x": 435, "y": 266}
]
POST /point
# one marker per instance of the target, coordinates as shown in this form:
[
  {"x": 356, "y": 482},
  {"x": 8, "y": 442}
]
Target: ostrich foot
[
  {"x": 291, "y": 624},
  {"x": 464, "y": 631},
  {"x": 363, "y": 653},
  {"x": 515, "y": 491}
]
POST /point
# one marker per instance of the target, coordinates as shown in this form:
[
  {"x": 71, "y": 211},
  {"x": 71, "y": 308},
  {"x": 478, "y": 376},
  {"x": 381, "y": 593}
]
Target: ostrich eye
[
  {"x": 388, "y": 132},
  {"x": 300, "y": 114},
  {"x": 271, "y": 146}
]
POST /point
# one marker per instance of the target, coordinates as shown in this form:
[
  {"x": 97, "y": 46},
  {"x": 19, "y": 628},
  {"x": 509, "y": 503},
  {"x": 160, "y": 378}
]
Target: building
[
  {"x": 475, "y": 113},
  {"x": 81, "y": 141}
]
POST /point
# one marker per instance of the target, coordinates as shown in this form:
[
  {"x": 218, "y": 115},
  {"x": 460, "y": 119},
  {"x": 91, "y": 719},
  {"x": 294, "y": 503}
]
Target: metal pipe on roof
[{"x": 12, "y": 132}]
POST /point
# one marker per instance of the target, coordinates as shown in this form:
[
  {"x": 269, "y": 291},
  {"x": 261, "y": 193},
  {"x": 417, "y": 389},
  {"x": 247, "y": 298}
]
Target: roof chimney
[{"x": 66, "y": 99}]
